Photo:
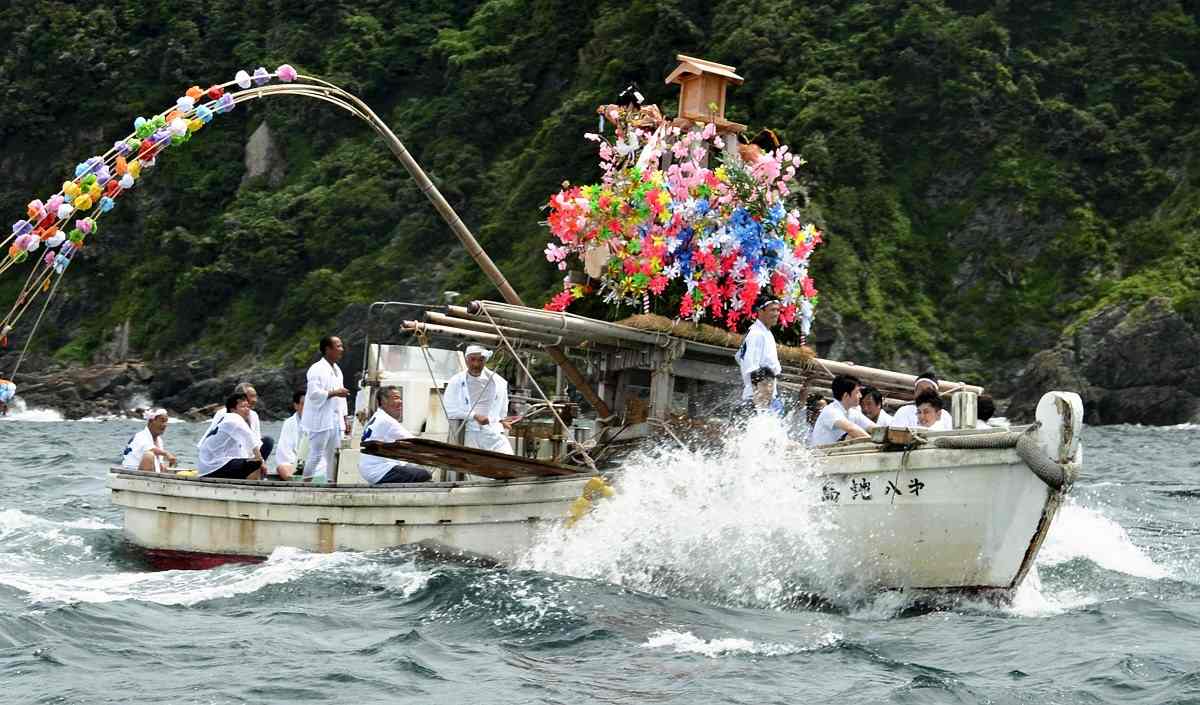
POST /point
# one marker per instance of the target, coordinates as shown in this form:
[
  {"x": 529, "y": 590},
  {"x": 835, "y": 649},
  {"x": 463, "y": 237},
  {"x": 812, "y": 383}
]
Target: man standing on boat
[
  {"x": 478, "y": 398},
  {"x": 385, "y": 427},
  {"x": 324, "y": 419},
  {"x": 758, "y": 360}
]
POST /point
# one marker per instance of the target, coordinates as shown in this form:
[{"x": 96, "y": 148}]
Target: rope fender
[{"x": 1057, "y": 476}]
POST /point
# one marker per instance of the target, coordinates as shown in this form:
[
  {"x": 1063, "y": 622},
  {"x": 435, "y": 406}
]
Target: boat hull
[
  {"x": 182, "y": 520},
  {"x": 936, "y": 518}
]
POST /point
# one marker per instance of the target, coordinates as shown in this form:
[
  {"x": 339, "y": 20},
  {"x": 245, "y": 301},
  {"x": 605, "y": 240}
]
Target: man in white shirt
[
  {"x": 929, "y": 409},
  {"x": 985, "y": 410},
  {"x": 478, "y": 398},
  {"x": 145, "y": 451},
  {"x": 324, "y": 418},
  {"x": 293, "y": 444},
  {"x": 267, "y": 443},
  {"x": 384, "y": 427},
  {"x": 758, "y": 360},
  {"x": 872, "y": 408},
  {"x": 841, "y": 418},
  {"x": 906, "y": 416},
  {"x": 231, "y": 450}
]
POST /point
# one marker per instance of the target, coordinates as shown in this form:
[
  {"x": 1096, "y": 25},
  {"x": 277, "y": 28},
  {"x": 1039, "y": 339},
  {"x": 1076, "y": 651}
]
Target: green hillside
[{"x": 987, "y": 173}]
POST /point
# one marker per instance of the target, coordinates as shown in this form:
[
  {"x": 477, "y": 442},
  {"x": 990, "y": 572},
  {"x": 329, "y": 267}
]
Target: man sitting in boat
[
  {"x": 758, "y": 360},
  {"x": 985, "y": 410},
  {"x": 906, "y": 416},
  {"x": 872, "y": 408},
  {"x": 929, "y": 409},
  {"x": 293, "y": 444},
  {"x": 230, "y": 449},
  {"x": 478, "y": 398},
  {"x": 251, "y": 393},
  {"x": 385, "y": 427},
  {"x": 145, "y": 451},
  {"x": 841, "y": 418}
]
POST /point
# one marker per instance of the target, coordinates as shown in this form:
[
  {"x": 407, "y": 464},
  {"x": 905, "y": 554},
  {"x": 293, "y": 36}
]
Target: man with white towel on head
[
  {"x": 324, "y": 418},
  {"x": 907, "y": 417},
  {"x": 478, "y": 397},
  {"x": 145, "y": 450}
]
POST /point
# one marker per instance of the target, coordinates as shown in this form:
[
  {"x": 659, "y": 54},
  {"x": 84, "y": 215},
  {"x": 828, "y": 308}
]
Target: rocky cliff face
[{"x": 1130, "y": 363}]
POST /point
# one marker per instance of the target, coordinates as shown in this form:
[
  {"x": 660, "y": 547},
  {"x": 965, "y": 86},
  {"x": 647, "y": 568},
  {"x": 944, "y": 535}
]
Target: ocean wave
[
  {"x": 186, "y": 587},
  {"x": 20, "y": 412},
  {"x": 1081, "y": 532},
  {"x": 689, "y": 643}
]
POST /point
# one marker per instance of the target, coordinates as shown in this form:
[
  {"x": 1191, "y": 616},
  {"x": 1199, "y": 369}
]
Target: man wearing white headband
[
  {"x": 758, "y": 359},
  {"x": 907, "y": 416},
  {"x": 145, "y": 451},
  {"x": 478, "y": 398}
]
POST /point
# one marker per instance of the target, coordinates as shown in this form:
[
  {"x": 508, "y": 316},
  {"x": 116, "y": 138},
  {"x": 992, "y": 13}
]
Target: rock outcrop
[{"x": 1131, "y": 363}]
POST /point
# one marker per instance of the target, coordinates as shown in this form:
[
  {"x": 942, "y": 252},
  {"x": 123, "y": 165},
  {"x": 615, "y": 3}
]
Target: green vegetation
[{"x": 988, "y": 174}]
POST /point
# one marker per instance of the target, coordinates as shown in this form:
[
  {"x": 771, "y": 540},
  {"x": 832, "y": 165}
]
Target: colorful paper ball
[
  {"x": 242, "y": 78},
  {"x": 286, "y": 73}
]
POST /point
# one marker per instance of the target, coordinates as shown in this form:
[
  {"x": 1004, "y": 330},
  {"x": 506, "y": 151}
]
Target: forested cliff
[{"x": 1009, "y": 190}]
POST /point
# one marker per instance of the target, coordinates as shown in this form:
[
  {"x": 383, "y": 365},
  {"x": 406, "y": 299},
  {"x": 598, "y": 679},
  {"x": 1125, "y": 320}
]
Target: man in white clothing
[
  {"x": 478, "y": 398},
  {"x": 145, "y": 451},
  {"x": 758, "y": 360},
  {"x": 384, "y": 427},
  {"x": 231, "y": 450},
  {"x": 872, "y": 408},
  {"x": 293, "y": 444},
  {"x": 907, "y": 416},
  {"x": 267, "y": 443},
  {"x": 324, "y": 418},
  {"x": 841, "y": 418}
]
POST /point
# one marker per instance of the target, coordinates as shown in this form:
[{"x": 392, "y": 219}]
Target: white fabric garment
[
  {"x": 255, "y": 425},
  {"x": 322, "y": 453},
  {"x": 493, "y": 404},
  {"x": 758, "y": 350},
  {"x": 825, "y": 432},
  {"x": 288, "y": 451},
  {"x": 137, "y": 446},
  {"x": 231, "y": 438},
  {"x": 906, "y": 417},
  {"x": 321, "y": 411},
  {"x": 981, "y": 424},
  {"x": 864, "y": 422},
  {"x": 382, "y": 428}
]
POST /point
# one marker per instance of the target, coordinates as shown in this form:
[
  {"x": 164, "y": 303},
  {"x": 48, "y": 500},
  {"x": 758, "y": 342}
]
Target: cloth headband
[
  {"x": 155, "y": 413},
  {"x": 926, "y": 379},
  {"x": 763, "y": 304},
  {"x": 478, "y": 350}
]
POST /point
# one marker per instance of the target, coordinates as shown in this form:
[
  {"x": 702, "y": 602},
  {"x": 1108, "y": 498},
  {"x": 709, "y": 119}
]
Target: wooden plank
[{"x": 485, "y": 463}]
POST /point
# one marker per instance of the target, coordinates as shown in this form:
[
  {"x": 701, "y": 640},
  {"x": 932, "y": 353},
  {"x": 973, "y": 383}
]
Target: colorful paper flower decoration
[{"x": 663, "y": 229}]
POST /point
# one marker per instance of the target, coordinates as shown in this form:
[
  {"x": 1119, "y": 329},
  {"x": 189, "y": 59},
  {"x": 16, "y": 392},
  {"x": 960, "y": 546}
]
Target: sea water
[{"x": 701, "y": 581}]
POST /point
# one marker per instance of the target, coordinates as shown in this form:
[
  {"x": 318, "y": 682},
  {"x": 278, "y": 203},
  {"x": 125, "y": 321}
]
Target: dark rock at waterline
[{"x": 1131, "y": 363}]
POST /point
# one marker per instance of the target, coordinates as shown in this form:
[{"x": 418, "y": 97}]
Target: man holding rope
[{"x": 478, "y": 400}]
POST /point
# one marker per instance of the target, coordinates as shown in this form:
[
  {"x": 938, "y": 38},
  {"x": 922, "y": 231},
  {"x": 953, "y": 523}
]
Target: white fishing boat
[{"x": 962, "y": 509}]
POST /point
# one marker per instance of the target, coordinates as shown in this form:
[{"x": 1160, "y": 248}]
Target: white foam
[
  {"x": 19, "y": 411},
  {"x": 732, "y": 525},
  {"x": 190, "y": 587},
  {"x": 689, "y": 643},
  {"x": 14, "y": 520},
  {"x": 1081, "y": 532}
]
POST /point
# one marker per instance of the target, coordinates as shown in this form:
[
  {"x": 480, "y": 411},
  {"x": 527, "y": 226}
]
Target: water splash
[
  {"x": 1082, "y": 532},
  {"x": 18, "y": 410},
  {"x": 191, "y": 587},
  {"x": 733, "y": 525},
  {"x": 689, "y": 643}
]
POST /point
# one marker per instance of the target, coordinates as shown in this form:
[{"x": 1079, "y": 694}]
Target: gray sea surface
[{"x": 685, "y": 615}]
